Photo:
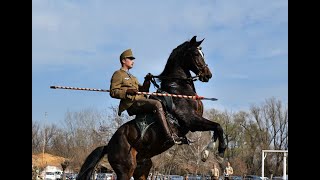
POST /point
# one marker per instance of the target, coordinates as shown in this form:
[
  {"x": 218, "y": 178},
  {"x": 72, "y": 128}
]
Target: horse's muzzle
[{"x": 205, "y": 75}]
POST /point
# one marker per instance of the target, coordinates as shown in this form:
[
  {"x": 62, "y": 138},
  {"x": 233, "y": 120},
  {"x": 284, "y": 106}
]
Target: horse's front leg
[{"x": 209, "y": 148}]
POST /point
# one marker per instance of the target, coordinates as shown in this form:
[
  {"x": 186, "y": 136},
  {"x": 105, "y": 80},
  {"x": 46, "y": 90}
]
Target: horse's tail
[{"x": 90, "y": 163}]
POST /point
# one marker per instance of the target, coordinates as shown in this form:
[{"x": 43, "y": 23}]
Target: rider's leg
[{"x": 162, "y": 120}]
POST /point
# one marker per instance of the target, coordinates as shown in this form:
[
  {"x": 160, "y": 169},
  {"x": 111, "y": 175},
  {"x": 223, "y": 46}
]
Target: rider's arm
[
  {"x": 145, "y": 87},
  {"x": 146, "y": 84},
  {"x": 116, "y": 89}
]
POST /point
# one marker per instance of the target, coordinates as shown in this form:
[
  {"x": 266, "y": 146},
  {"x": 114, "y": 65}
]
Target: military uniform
[{"x": 121, "y": 81}]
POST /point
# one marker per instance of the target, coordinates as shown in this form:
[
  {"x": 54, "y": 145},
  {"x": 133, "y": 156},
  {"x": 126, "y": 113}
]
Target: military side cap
[{"x": 127, "y": 54}]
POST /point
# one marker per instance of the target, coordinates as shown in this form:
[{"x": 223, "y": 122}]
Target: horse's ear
[
  {"x": 193, "y": 41},
  {"x": 198, "y": 43}
]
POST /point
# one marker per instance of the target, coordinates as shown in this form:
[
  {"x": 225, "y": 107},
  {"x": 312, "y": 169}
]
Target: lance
[{"x": 145, "y": 93}]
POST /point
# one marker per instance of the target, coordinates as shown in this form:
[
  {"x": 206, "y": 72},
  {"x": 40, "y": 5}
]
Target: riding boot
[{"x": 162, "y": 120}]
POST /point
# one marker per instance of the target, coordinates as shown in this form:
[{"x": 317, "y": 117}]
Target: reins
[{"x": 193, "y": 78}]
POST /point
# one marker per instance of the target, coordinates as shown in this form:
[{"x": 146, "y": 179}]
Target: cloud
[
  {"x": 63, "y": 26},
  {"x": 79, "y": 42}
]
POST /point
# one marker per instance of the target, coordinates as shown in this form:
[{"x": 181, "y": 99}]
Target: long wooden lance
[{"x": 145, "y": 93}]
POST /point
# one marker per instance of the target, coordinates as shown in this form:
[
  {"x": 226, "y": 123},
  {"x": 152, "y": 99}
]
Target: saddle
[
  {"x": 144, "y": 121},
  {"x": 166, "y": 101}
]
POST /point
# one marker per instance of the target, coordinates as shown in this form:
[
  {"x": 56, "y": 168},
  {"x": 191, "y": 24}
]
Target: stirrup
[
  {"x": 171, "y": 141},
  {"x": 187, "y": 141},
  {"x": 179, "y": 142},
  {"x": 176, "y": 139}
]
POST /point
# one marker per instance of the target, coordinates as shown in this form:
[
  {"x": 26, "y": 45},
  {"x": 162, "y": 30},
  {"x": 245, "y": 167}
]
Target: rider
[{"x": 125, "y": 86}]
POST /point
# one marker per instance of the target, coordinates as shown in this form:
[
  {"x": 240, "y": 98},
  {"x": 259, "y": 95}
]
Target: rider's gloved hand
[
  {"x": 148, "y": 77},
  {"x": 131, "y": 91}
]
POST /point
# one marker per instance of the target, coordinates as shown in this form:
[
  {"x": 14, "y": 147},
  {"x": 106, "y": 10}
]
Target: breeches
[{"x": 142, "y": 106}]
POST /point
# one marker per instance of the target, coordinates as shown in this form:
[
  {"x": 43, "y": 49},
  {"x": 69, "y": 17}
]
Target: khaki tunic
[{"x": 120, "y": 82}]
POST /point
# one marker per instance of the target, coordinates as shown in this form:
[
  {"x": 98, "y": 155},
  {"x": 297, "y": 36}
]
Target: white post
[
  {"x": 284, "y": 161},
  {"x": 262, "y": 158},
  {"x": 284, "y": 165}
]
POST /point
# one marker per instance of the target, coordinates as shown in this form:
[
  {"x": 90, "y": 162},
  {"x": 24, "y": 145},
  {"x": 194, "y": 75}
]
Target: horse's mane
[{"x": 174, "y": 58}]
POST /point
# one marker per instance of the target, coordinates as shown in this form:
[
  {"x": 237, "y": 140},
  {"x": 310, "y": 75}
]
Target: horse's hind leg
[
  {"x": 142, "y": 170},
  {"x": 123, "y": 163},
  {"x": 122, "y": 156}
]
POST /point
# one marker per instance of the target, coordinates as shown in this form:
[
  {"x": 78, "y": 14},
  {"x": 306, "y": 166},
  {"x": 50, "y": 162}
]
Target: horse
[{"x": 131, "y": 148}]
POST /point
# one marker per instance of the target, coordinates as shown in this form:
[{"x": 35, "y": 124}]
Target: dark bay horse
[{"x": 128, "y": 152}]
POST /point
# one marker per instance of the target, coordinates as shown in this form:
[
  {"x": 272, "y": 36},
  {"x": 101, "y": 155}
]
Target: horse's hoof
[
  {"x": 221, "y": 155},
  {"x": 204, "y": 155},
  {"x": 219, "y": 158}
]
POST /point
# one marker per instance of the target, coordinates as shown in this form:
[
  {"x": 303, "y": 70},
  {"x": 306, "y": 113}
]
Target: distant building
[{"x": 52, "y": 172}]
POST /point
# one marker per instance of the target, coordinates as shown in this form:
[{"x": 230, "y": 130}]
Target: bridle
[{"x": 200, "y": 66}]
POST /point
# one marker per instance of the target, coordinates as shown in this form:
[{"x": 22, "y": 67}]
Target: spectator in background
[
  {"x": 214, "y": 172},
  {"x": 186, "y": 177},
  {"x": 228, "y": 171}
]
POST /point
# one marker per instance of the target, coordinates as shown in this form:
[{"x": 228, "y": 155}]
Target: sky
[{"x": 77, "y": 43}]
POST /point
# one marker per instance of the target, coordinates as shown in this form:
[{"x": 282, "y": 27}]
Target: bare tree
[
  {"x": 234, "y": 134},
  {"x": 115, "y": 120},
  {"x": 264, "y": 126},
  {"x": 36, "y": 140},
  {"x": 48, "y": 133},
  {"x": 276, "y": 115},
  {"x": 81, "y": 134}
]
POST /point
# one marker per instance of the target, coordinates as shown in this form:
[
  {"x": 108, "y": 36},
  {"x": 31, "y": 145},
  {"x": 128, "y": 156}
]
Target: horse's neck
[
  {"x": 176, "y": 86},
  {"x": 177, "y": 72},
  {"x": 177, "y": 81}
]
